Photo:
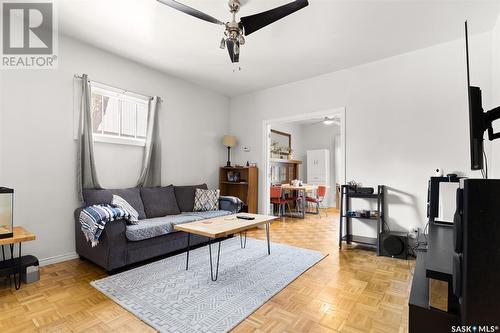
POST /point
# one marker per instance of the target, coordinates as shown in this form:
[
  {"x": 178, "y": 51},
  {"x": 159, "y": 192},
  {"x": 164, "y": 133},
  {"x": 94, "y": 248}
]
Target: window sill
[{"x": 119, "y": 140}]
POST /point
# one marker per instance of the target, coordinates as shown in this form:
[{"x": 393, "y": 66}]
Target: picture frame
[
  {"x": 233, "y": 176},
  {"x": 281, "y": 144}
]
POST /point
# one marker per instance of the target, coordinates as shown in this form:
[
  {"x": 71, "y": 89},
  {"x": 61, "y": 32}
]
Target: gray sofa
[{"x": 160, "y": 209}]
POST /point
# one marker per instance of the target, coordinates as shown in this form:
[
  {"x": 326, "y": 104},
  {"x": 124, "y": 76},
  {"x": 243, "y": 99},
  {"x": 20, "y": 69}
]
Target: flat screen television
[
  {"x": 476, "y": 118},
  {"x": 479, "y": 121}
]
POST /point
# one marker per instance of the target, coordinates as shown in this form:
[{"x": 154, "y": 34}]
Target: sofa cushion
[
  {"x": 159, "y": 201},
  {"x": 185, "y": 196},
  {"x": 131, "y": 195},
  {"x": 208, "y": 214},
  {"x": 157, "y": 226}
]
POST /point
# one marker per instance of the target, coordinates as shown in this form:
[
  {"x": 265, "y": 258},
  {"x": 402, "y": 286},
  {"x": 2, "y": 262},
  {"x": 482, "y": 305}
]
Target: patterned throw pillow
[
  {"x": 123, "y": 204},
  {"x": 205, "y": 200}
]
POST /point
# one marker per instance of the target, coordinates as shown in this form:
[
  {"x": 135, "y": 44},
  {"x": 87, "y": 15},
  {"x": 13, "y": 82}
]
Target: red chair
[
  {"x": 277, "y": 199},
  {"x": 320, "y": 196}
]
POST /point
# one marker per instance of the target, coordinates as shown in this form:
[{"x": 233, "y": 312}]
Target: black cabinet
[
  {"x": 466, "y": 256},
  {"x": 477, "y": 252},
  {"x": 435, "y": 263}
]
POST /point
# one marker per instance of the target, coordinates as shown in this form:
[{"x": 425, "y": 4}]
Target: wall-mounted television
[{"x": 479, "y": 121}]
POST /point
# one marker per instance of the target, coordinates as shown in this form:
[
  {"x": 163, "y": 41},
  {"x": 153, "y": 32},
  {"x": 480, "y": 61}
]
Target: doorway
[{"x": 287, "y": 141}]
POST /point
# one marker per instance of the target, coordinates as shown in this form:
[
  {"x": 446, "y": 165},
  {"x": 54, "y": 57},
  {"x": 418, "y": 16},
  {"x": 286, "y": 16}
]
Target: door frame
[{"x": 266, "y": 131}]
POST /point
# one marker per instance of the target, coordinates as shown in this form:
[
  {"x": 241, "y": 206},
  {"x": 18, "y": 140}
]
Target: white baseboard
[{"x": 56, "y": 259}]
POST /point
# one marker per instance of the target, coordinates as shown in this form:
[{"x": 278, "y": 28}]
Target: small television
[{"x": 479, "y": 121}]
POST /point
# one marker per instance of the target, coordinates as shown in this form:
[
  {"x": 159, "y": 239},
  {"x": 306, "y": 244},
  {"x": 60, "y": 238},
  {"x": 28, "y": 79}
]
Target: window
[{"x": 118, "y": 116}]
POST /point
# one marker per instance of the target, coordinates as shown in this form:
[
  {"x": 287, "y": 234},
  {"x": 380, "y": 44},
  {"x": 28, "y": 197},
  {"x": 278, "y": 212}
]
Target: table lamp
[{"x": 229, "y": 141}]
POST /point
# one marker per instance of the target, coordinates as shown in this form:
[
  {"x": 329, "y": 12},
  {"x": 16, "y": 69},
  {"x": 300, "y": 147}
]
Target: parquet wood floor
[{"x": 353, "y": 291}]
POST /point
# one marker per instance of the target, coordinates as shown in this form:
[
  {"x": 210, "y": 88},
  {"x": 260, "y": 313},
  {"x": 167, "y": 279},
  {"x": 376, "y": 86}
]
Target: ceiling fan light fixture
[
  {"x": 328, "y": 121},
  {"x": 235, "y": 31}
]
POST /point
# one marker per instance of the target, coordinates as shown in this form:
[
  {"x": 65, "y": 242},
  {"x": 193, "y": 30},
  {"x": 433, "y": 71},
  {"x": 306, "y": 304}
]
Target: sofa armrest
[
  {"x": 111, "y": 252},
  {"x": 231, "y": 204}
]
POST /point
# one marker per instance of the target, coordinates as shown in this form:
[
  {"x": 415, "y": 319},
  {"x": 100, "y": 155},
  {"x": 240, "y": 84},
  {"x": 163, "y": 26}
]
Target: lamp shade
[{"x": 229, "y": 141}]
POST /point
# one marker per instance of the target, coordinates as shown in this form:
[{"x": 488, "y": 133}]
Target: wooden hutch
[
  {"x": 241, "y": 182},
  {"x": 283, "y": 171}
]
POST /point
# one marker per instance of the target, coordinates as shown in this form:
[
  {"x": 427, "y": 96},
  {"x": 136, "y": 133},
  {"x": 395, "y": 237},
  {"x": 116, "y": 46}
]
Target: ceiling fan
[{"x": 234, "y": 35}]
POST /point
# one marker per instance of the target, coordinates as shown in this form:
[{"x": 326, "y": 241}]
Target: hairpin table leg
[
  {"x": 243, "y": 239},
  {"x": 187, "y": 253},
  {"x": 16, "y": 270},
  {"x": 268, "y": 239},
  {"x": 211, "y": 264}
]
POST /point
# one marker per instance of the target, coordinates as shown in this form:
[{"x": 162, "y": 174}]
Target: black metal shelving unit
[{"x": 345, "y": 206}]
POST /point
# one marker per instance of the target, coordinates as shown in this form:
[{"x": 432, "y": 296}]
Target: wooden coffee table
[{"x": 224, "y": 226}]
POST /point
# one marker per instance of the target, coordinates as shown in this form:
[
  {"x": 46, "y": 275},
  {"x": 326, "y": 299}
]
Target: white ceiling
[{"x": 327, "y": 36}]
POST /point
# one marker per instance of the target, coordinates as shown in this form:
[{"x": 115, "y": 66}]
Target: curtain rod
[{"x": 80, "y": 76}]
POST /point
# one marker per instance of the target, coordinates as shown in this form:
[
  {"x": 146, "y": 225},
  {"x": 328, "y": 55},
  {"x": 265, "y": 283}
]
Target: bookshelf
[
  {"x": 244, "y": 187},
  {"x": 345, "y": 208}
]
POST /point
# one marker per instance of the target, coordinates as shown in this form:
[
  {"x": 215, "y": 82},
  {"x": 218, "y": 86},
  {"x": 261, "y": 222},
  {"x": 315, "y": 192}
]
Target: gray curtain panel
[
  {"x": 86, "y": 173},
  {"x": 151, "y": 163}
]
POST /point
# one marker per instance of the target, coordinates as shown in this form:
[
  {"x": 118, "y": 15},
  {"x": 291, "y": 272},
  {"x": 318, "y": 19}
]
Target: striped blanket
[{"x": 94, "y": 218}]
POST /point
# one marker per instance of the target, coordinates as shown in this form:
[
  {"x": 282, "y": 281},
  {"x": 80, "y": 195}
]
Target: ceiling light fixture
[{"x": 329, "y": 121}]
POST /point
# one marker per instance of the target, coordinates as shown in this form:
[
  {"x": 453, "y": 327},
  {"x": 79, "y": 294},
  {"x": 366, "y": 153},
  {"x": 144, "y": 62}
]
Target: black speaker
[
  {"x": 476, "y": 263},
  {"x": 394, "y": 244}
]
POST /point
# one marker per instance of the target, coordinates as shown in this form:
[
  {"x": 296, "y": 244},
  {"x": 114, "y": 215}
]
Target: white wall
[
  {"x": 38, "y": 151},
  {"x": 406, "y": 115}
]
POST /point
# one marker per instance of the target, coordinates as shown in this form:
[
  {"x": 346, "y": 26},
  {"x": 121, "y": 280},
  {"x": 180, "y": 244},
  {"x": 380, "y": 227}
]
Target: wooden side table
[{"x": 14, "y": 266}]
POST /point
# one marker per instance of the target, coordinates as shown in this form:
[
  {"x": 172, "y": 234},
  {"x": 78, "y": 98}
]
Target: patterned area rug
[{"x": 170, "y": 299}]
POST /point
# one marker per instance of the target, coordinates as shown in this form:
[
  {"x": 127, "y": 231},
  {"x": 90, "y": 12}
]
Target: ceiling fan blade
[
  {"x": 190, "y": 11},
  {"x": 255, "y": 22},
  {"x": 230, "y": 48}
]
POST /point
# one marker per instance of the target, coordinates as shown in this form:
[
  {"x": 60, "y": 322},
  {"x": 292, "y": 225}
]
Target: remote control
[{"x": 245, "y": 217}]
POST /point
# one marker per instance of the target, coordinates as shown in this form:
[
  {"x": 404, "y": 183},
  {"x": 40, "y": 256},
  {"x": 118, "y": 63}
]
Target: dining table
[{"x": 302, "y": 191}]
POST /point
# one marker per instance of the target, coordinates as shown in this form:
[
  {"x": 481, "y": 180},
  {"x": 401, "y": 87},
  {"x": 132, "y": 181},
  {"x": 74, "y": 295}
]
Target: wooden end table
[
  {"x": 13, "y": 265},
  {"x": 224, "y": 226}
]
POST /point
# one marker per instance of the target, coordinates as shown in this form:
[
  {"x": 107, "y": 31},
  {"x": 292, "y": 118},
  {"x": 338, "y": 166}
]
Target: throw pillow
[
  {"x": 159, "y": 201},
  {"x": 119, "y": 202},
  {"x": 185, "y": 196},
  {"x": 133, "y": 197},
  {"x": 205, "y": 200}
]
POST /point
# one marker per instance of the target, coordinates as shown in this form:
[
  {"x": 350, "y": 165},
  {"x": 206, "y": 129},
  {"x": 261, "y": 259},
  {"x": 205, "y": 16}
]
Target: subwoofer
[{"x": 394, "y": 244}]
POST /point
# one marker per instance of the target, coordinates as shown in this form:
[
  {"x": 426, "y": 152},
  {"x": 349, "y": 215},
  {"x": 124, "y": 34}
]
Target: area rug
[{"x": 170, "y": 299}]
